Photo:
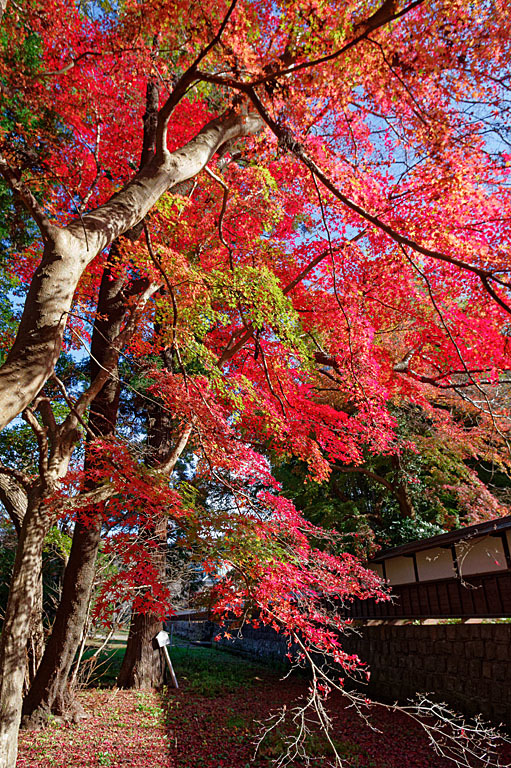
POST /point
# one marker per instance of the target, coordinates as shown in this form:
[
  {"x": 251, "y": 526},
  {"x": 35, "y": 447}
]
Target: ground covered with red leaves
[{"x": 212, "y": 721}]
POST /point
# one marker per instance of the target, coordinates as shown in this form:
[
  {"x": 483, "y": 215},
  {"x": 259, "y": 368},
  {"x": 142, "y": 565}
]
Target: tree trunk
[
  {"x": 17, "y": 626},
  {"x": 15, "y": 500},
  {"x": 142, "y": 666},
  {"x": 49, "y": 691},
  {"x": 35, "y": 645}
]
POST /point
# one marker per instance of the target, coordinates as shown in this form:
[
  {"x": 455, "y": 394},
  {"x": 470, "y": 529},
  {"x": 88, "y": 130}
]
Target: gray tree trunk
[{"x": 17, "y": 626}]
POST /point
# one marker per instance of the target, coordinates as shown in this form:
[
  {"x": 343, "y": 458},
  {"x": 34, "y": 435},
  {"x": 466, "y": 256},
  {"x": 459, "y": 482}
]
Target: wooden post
[
  {"x": 162, "y": 641},
  {"x": 169, "y": 664}
]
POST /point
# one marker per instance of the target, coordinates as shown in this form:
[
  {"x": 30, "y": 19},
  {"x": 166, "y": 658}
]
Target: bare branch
[
  {"x": 43, "y": 405},
  {"x": 367, "y": 472},
  {"x": 42, "y": 440},
  {"x": 225, "y": 188},
  {"x": 96, "y": 496},
  {"x": 71, "y": 406},
  {"x": 68, "y": 67}
]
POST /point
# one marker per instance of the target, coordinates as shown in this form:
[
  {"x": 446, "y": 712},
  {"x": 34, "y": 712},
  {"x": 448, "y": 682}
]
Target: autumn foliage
[{"x": 305, "y": 209}]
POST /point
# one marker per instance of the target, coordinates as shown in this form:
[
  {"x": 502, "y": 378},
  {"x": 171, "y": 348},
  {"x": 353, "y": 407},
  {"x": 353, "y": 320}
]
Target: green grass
[
  {"x": 206, "y": 671},
  {"x": 211, "y": 672}
]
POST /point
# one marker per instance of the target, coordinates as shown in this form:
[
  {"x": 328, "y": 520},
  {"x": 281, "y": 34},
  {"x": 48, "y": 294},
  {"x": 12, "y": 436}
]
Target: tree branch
[
  {"x": 130, "y": 205},
  {"x": 384, "y": 15},
  {"x": 14, "y": 498},
  {"x": 287, "y": 139},
  {"x": 363, "y": 471},
  {"x": 111, "y": 359},
  {"x": 13, "y": 179},
  {"x": 42, "y": 440},
  {"x": 37, "y": 346},
  {"x": 167, "y": 467},
  {"x": 181, "y": 87}
]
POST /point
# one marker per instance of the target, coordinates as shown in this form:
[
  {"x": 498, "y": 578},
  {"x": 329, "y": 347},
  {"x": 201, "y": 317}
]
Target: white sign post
[{"x": 162, "y": 640}]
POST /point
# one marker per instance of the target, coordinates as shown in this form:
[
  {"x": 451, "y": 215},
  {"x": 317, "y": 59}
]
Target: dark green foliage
[{"x": 432, "y": 483}]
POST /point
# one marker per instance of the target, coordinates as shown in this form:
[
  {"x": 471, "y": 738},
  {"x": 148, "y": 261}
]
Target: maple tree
[{"x": 318, "y": 232}]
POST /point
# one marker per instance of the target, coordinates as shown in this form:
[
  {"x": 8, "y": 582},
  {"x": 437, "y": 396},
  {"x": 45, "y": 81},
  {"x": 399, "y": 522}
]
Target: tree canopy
[{"x": 278, "y": 235}]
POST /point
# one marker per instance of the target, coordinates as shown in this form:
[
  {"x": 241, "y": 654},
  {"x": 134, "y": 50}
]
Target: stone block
[
  {"x": 500, "y": 693},
  {"x": 474, "y": 668},
  {"x": 488, "y": 670},
  {"x": 490, "y": 649},
  {"x": 502, "y": 652}
]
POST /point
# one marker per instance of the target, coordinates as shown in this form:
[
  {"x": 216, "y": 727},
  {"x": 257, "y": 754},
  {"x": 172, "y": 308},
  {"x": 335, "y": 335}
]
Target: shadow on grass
[{"x": 212, "y": 672}]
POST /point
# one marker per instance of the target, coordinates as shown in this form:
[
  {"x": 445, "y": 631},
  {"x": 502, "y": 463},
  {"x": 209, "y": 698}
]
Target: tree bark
[
  {"x": 49, "y": 692},
  {"x": 15, "y": 500},
  {"x": 17, "y": 624},
  {"x": 35, "y": 645},
  {"x": 142, "y": 666}
]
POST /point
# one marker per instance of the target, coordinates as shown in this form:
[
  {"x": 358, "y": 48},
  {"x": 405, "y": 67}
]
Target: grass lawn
[{"x": 211, "y": 722}]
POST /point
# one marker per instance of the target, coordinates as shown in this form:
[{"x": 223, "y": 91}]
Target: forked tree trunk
[
  {"x": 17, "y": 626},
  {"x": 51, "y": 692},
  {"x": 69, "y": 251}
]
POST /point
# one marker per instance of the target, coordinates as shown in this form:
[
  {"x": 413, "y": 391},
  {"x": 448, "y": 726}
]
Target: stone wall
[
  {"x": 465, "y": 665},
  {"x": 261, "y": 643},
  {"x": 195, "y": 631}
]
